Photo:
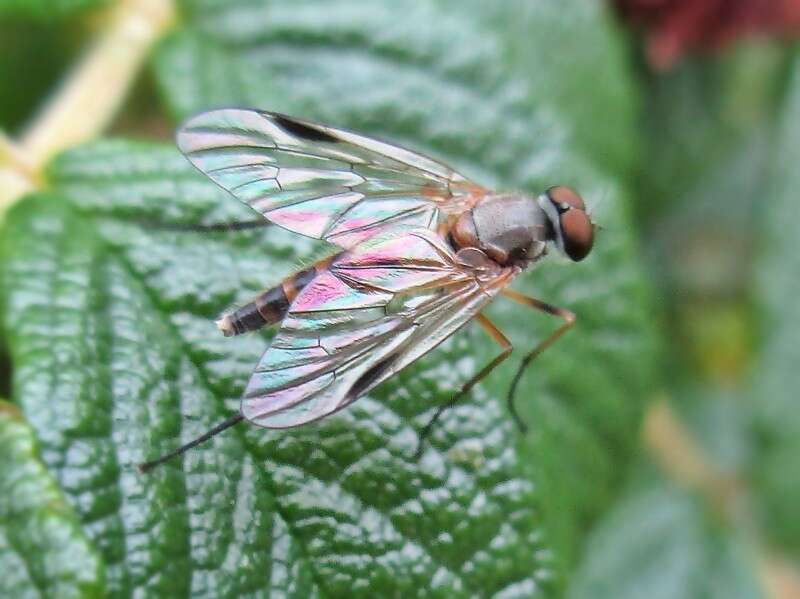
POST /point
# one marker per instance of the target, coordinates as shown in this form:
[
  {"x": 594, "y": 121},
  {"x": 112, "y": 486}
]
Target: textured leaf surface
[
  {"x": 480, "y": 87},
  {"x": 116, "y": 358},
  {"x": 43, "y": 550}
]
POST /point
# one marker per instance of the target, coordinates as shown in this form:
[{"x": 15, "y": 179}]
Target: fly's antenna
[
  {"x": 595, "y": 207},
  {"x": 147, "y": 466},
  {"x": 597, "y": 226}
]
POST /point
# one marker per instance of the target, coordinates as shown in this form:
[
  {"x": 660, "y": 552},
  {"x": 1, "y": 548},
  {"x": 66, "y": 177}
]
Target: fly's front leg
[
  {"x": 569, "y": 320},
  {"x": 244, "y": 225},
  {"x": 506, "y": 346}
]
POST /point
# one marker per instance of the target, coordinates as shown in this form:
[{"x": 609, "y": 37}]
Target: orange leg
[
  {"x": 569, "y": 320},
  {"x": 504, "y": 343}
]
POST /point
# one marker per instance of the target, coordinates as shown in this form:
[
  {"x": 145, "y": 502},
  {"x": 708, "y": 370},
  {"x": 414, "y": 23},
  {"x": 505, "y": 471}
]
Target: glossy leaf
[
  {"x": 128, "y": 363},
  {"x": 116, "y": 358},
  {"x": 480, "y": 87}
]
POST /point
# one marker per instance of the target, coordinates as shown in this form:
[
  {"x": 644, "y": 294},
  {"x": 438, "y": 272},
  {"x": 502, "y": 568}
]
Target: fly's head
[{"x": 572, "y": 229}]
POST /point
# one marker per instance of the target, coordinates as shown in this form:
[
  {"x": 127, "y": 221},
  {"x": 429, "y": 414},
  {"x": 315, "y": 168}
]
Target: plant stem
[
  {"x": 88, "y": 98},
  {"x": 683, "y": 460}
]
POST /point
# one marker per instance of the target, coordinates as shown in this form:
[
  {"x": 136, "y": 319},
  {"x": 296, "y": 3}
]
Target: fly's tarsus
[
  {"x": 245, "y": 225},
  {"x": 531, "y": 302},
  {"x": 497, "y": 336}
]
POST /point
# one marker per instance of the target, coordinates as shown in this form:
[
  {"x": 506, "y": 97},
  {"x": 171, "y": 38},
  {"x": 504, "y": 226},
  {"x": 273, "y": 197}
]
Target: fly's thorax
[{"x": 509, "y": 228}]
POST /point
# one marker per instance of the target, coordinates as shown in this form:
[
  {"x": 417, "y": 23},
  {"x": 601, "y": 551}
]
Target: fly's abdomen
[{"x": 270, "y": 306}]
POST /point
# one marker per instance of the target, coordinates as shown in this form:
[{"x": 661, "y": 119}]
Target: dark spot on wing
[
  {"x": 369, "y": 377},
  {"x": 302, "y": 130}
]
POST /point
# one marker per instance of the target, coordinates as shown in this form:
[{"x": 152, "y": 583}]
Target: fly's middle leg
[
  {"x": 568, "y": 318},
  {"x": 506, "y": 346}
]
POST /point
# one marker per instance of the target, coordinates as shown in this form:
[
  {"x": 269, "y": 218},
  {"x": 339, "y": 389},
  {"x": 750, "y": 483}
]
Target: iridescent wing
[
  {"x": 319, "y": 181},
  {"x": 379, "y": 307}
]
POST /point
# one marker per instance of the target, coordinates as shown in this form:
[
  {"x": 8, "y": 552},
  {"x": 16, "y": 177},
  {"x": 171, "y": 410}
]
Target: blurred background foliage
[{"x": 672, "y": 471}]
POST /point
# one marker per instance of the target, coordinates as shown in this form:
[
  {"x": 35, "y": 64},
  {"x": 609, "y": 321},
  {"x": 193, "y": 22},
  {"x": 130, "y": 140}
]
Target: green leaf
[
  {"x": 446, "y": 67},
  {"x": 43, "y": 551},
  {"x": 109, "y": 319},
  {"x": 34, "y": 56},
  {"x": 698, "y": 118},
  {"x": 46, "y": 10},
  {"x": 657, "y": 543},
  {"x": 776, "y": 378}
]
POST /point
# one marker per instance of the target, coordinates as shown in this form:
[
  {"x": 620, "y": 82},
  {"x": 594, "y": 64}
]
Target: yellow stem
[
  {"x": 87, "y": 100},
  {"x": 779, "y": 577},
  {"x": 685, "y": 462},
  {"x": 679, "y": 456}
]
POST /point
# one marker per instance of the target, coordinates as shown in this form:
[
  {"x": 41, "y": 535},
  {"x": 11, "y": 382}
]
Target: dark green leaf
[
  {"x": 777, "y": 376},
  {"x": 116, "y": 359},
  {"x": 45, "y": 9},
  {"x": 43, "y": 551},
  {"x": 33, "y": 56},
  {"x": 697, "y": 119}
]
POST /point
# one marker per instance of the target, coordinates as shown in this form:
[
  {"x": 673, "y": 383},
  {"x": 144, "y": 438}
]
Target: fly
[{"x": 422, "y": 251}]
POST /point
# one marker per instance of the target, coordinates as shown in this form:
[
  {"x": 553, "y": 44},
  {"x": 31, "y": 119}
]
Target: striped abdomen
[{"x": 271, "y": 305}]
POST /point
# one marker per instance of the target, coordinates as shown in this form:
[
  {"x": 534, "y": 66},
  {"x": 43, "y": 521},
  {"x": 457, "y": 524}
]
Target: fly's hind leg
[
  {"x": 506, "y": 346},
  {"x": 568, "y": 318},
  {"x": 244, "y": 225}
]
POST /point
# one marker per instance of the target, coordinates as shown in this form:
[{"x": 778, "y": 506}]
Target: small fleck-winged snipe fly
[{"x": 423, "y": 251}]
